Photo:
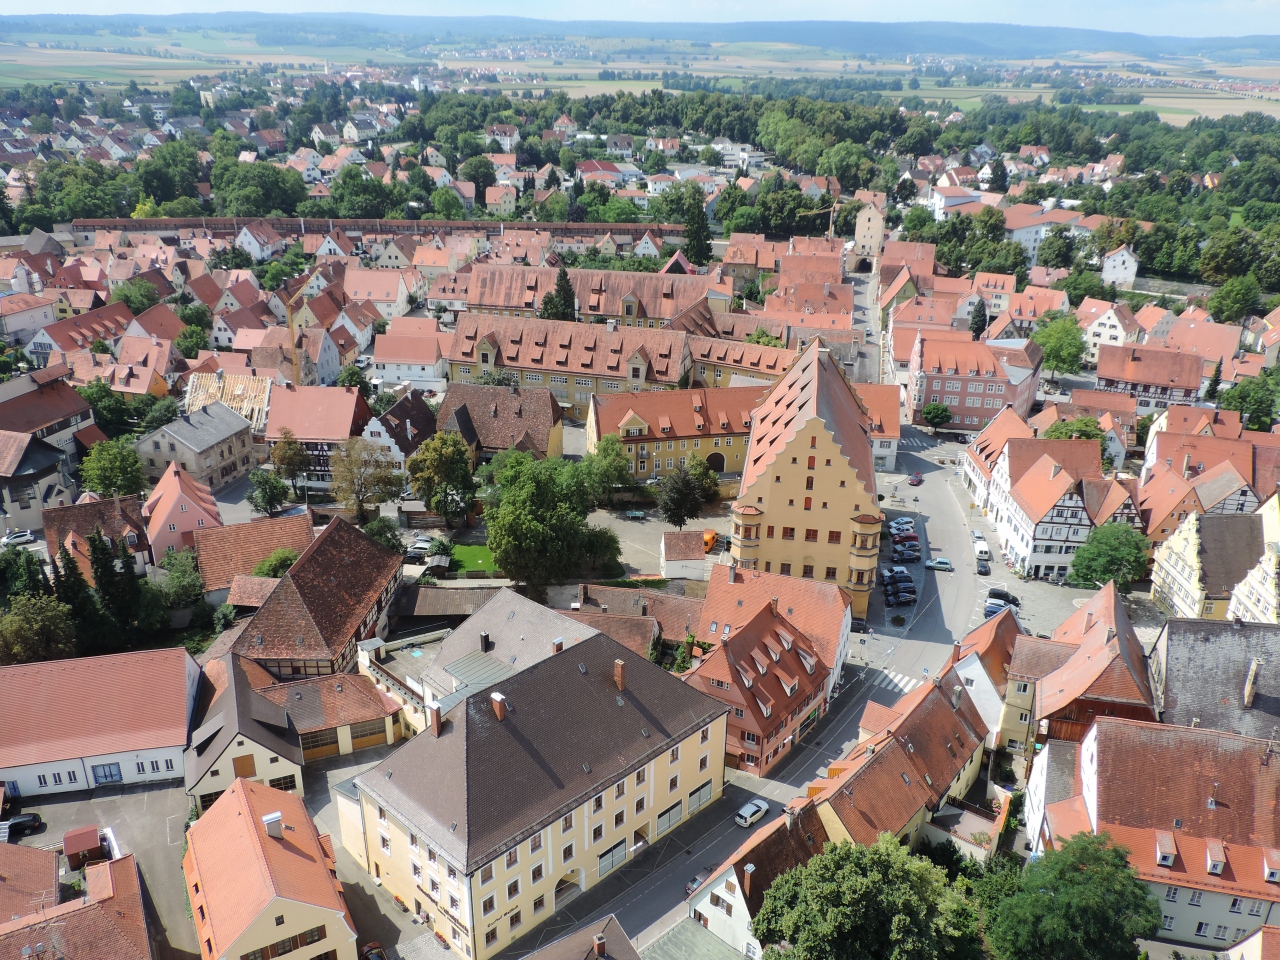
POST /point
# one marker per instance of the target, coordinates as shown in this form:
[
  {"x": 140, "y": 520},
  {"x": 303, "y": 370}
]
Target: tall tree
[
  {"x": 978, "y": 319},
  {"x": 999, "y": 181},
  {"x": 96, "y": 630},
  {"x": 680, "y": 498},
  {"x": 364, "y": 473},
  {"x": 385, "y": 531},
  {"x": 268, "y": 492},
  {"x": 112, "y": 466},
  {"x": 36, "y": 629},
  {"x": 21, "y": 574},
  {"x": 1113, "y": 551},
  {"x": 440, "y": 475},
  {"x": 607, "y": 468},
  {"x": 1215, "y": 382},
  {"x": 697, "y": 234},
  {"x": 191, "y": 341},
  {"x": 1063, "y": 344},
  {"x": 289, "y": 458},
  {"x": 879, "y": 901},
  {"x": 353, "y": 376},
  {"x": 138, "y": 295},
  {"x": 936, "y": 415},
  {"x": 1081, "y": 901},
  {"x": 560, "y": 303}
]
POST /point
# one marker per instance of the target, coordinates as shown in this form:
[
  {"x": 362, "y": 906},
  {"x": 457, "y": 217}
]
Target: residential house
[
  {"x": 156, "y": 323},
  {"x": 455, "y": 846},
  {"x": 1168, "y": 496},
  {"x": 1211, "y": 871},
  {"x": 107, "y": 922},
  {"x": 984, "y": 452},
  {"x": 718, "y": 362},
  {"x": 883, "y": 403},
  {"x": 1116, "y": 432},
  {"x": 247, "y": 392},
  {"x": 335, "y": 596},
  {"x": 1155, "y": 322},
  {"x": 973, "y": 380},
  {"x": 981, "y": 660},
  {"x": 397, "y": 253},
  {"x": 337, "y": 715},
  {"x": 31, "y": 881},
  {"x": 507, "y": 135},
  {"x": 387, "y": 290},
  {"x": 79, "y": 333},
  {"x": 34, "y": 474},
  {"x": 212, "y": 444},
  {"x": 810, "y": 415},
  {"x": 238, "y": 732},
  {"x": 291, "y": 901},
  {"x": 403, "y": 428},
  {"x": 178, "y": 506},
  {"x": 1091, "y": 666},
  {"x": 494, "y": 419},
  {"x": 682, "y": 556},
  {"x": 1120, "y": 267},
  {"x": 1029, "y": 223},
  {"x": 227, "y": 552},
  {"x": 133, "y": 730},
  {"x": 762, "y": 665},
  {"x": 1154, "y": 376},
  {"x": 47, "y": 408},
  {"x": 822, "y": 611},
  {"x": 500, "y": 200},
  {"x": 714, "y": 424},
  {"x": 417, "y": 359},
  {"x": 1105, "y": 324},
  {"x": 321, "y": 418},
  {"x": 227, "y": 325},
  {"x": 117, "y": 518},
  {"x": 1198, "y": 568},
  {"x": 260, "y": 241},
  {"x": 22, "y": 315}
]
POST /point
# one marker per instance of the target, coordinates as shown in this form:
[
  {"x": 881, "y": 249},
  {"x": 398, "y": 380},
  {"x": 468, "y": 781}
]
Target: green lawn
[{"x": 472, "y": 557}]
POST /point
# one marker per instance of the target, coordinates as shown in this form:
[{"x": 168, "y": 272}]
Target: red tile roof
[
  {"x": 1152, "y": 366},
  {"x": 702, "y": 412},
  {"x": 317, "y": 414},
  {"x": 322, "y": 703},
  {"x": 225, "y": 552},
  {"x": 28, "y": 880}
]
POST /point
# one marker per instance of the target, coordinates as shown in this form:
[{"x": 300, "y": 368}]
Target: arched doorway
[
  {"x": 716, "y": 462},
  {"x": 567, "y": 888},
  {"x": 863, "y": 265}
]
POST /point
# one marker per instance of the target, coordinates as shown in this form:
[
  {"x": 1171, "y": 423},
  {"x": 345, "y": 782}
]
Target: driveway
[
  {"x": 642, "y": 539},
  {"x": 147, "y": 822},
  {"x": 232, "y": 504}
]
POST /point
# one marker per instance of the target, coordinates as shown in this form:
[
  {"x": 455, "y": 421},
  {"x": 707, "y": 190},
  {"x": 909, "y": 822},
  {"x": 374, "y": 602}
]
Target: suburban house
[
  {"x": 107, "y": 324},
  {"x": 132, "y": 731},
  {"x": 177, "y": 507},
  {"x": 418, "y": 360},
  {"x": 972, "y": 380},
  {"x": 984, "y": 452},
  {"x": 322, "y": 419},
  {"x": 225, "y": 552},
  {"x": 981, "y": 660},
  {"x": 1212, "y": 870},
  {"x": 490, "y": 821},
  {"x": 812, "y": 418},
  {"x": 291, "y": 900},
  {"x": 1120, "y": 267},
  {"x": 1196, "y": 571},
  {"x": 1154, "y": 376},
  {"x": 237, "y": 732},
  {"x": 760, "y": 666},
  {"x": 335, "y": 596},
  {"x": 260, "y": 241},
  {"x": 48, "y": 408},
  {"x": 117, "y": 518},
  {"x": 23, "y": 314},
  {"x": 493, "y": 419},
  {"x": 387, "y": 290},
  {"x": 212, "y": 444},
  {"x": 34, "y": 474},
  {"x": 682, "y": 555},
  {"x": 403, "y": 428},
  {"x": 1105, "y": 324},
  {"x": 714, "y": 424},
  {"x": 1091, "y": 666}
]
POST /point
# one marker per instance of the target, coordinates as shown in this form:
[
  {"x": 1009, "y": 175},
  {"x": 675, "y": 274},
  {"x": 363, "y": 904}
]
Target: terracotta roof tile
[
  {"x": 1153, "y": 366},
  {"x": 28, "y": 880},
  {"x": 500, "y": 417},
  {"x": 634, "y": 633},
  {"x": 322, "y": 703},
  {"x": 229, "y": 551}
]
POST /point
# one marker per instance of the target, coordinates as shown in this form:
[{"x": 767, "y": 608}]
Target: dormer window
[
  {"x": 1271, "y": 865},
  {"x": 1166, "y": 848}
]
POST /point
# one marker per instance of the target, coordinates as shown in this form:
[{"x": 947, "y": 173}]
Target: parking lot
[
  {"x": 642, "y": 539},
  {"x": 148, "y": 822}
]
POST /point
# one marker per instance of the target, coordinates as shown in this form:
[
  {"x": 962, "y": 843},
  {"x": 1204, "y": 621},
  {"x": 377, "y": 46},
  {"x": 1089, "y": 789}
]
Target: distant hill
[{"x": 878, "y": 39}]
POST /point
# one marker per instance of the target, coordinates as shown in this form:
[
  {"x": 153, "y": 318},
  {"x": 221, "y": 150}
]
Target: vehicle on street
[
  {"x": 635, "y": 514},
  {"x": 896, "y": 575},
  {"x": 906, "y": 556},
  {"x": 373, "y": 951},
  {"x": 752, "y": 811},
  {"x": 709, "y": 540},
  {"x": 697, "y": 881},
  {"x": 939, "y": 563},
  {"x": 857, "y": 625},
  {"x": 995, "y": 593},
  {"x": 899, "y": 599},
  {"x": 899, "y": 538},
  {"x": 24, "y": 823},
  {"x": 984, "y": 568},
  {"x": 908, "y": 522},
  {"x": 17, "y": 537},
  {"x": 981, "y": 550},
  {"x": 993, "y": 607},
  {"x": 915, "y": 479},
  {"x": 415, "y": 556},
  {"x": 978, "y": 536}
]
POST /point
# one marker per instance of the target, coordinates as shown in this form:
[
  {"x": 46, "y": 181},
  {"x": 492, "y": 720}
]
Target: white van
[{"x": 980, "y": 550}]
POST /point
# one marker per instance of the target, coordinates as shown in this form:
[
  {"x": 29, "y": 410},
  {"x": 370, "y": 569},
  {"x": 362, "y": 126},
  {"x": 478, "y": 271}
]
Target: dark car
[
  {"x": 857, "y": 625},
  {"x": 906, "y": 556},
  {"x": 984, "y": 568},
  {"x": 24, "y": 823},
  {"x": 902, "y": 538},
  {"x": 915, "y": 480},
  {"x": 995, "y": 593},
  {"x": 899, "y": 599},
  {"x": 888, "y": 579}
]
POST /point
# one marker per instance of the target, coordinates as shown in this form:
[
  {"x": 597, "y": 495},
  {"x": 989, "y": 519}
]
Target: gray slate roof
[
  {"x": 569, "y": 733},
  {"x": 203, "y": 428},
  {"x": 1205, "y": 664},
  {"x": 1230, "y": 546},
  {"x": 689, "y": 940}
]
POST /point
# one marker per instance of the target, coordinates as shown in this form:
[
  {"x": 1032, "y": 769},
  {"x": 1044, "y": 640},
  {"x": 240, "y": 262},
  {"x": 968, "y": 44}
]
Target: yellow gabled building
[{"x": 807, "y": 506}]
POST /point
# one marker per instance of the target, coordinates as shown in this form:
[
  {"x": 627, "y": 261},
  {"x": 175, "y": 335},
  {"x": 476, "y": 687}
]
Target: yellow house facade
[
  {"x": 573, "y": 812},
  {"x": 807, "y": 506},
  {"x": 1196, "y": 570}
]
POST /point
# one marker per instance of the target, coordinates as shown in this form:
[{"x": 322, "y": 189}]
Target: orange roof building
[
  {"x": 259, "y": 874},
  {"x": 177, "y": 507},
  {"x": 226, "y": 552},
  {"x": 807, "y": 504}
]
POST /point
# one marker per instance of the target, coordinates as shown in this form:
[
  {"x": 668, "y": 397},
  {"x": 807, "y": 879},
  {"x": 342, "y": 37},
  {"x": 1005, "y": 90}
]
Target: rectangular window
[
  {"x": 619, "y": 818},
  {"x": 513, "y": 857},
  {"x": 1196, "y": 897},
  {"x": 284, "y": 783},
  {"x": 613, "y": 857},
  {"x": 674, "y": 756},
  {"x": 535, "y": 843},
  {"x": 515, "y": 920},
  {"x": 513, "y": 889},
  {"x": 486, "y": 873},
  {"x": 597, "y": 833},
  {"x": 788, "y": 533},
  {"x": 566, "y": 854},
  {"x": 566, "y": 824},
  {"x": 539, "y": 904},
  {"x": 784, "y": 569}
]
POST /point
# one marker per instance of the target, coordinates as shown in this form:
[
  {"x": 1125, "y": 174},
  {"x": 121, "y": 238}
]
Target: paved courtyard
[{"x": 642, "y": 539}]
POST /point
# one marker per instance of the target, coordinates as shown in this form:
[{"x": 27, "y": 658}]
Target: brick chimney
[
  {"x": 433, "y": 717},
  {"x": 620, "y": 674},
  {"x": 499, "y": 706},
  {"x": 747, "y": 871},
  {"x": 600, "y": 945},
  {"x": 1251, "y": 682},
  {"x": 773, "y": 604}
]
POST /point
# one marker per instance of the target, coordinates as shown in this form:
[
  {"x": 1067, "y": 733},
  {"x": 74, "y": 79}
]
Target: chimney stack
[
  {"x": 557, "y": 645},
  {"x": 499, "y": 706},
  {"x": 955, "y": 696},
  {"x": 1251, "y": 682},
  {"x": 484, "y": 640},
  {"x": 620, "y": 674},
  {"x": 747, "y": 871},
  {"x": 773, "y": 603},
  {"x": 274, "y": 825},
  {"x": 433, "y": 717},
  {"x": 791, "y": 818},
  {"x": 1186, "y": 467},
  {"x": 600, "y": 945}
]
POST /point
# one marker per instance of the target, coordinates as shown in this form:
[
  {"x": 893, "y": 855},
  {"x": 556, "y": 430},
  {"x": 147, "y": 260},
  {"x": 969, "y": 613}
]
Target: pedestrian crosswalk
[
  {"x": 913, "y": 442},
  {"x": 889, "y": 680}
]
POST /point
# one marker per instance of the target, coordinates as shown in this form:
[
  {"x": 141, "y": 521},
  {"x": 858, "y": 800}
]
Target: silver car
[{"x": 752, "y": 812}]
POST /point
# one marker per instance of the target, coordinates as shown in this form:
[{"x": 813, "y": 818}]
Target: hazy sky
[{"x": 1179, "y": 18}]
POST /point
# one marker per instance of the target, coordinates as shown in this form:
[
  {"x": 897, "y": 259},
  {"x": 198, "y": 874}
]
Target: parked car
[
  {"x": 939, "y": 563},
  {"x": 995, "y": 593},
  {"x": 414, "y": 555},
  {"x": 906, "y": 556},
  {"x": 978, "y": 536},
  {"x": 900, "y": 538},
  {"x": 984, "y": 568},
  {"x": 899, "y": 599},
  {"x": 17, "y": 537},
  {"x": 702, "y": 876},
  {"x": 915, "y": 479},
  {"x": 752, "y": 811},
  {"x": 993, "y": 607},
  {"x": 373, "y": 951},
  {"x": 902, "y": 522},
  {"x": 24, "y": 823},
  {"x": 897, "y": 575},
  {"x": 857, "y": 625}
]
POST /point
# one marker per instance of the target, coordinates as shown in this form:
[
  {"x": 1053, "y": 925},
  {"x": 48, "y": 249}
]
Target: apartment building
[
  {"x": 1105, "y": 324},
  {"x": 975, "y": 381},
  {"x": 321, "y": 419},
  {"x": 212, "y": 444},
  {"x": 716, "y": 362},
  {"x": 662, "y": 429},
  {"x": 494, "y": 819},
  {"x": 1196, "y": 571},
  {"x": 807, "y": 505},
  {"x": 1154, "y": 376}
]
